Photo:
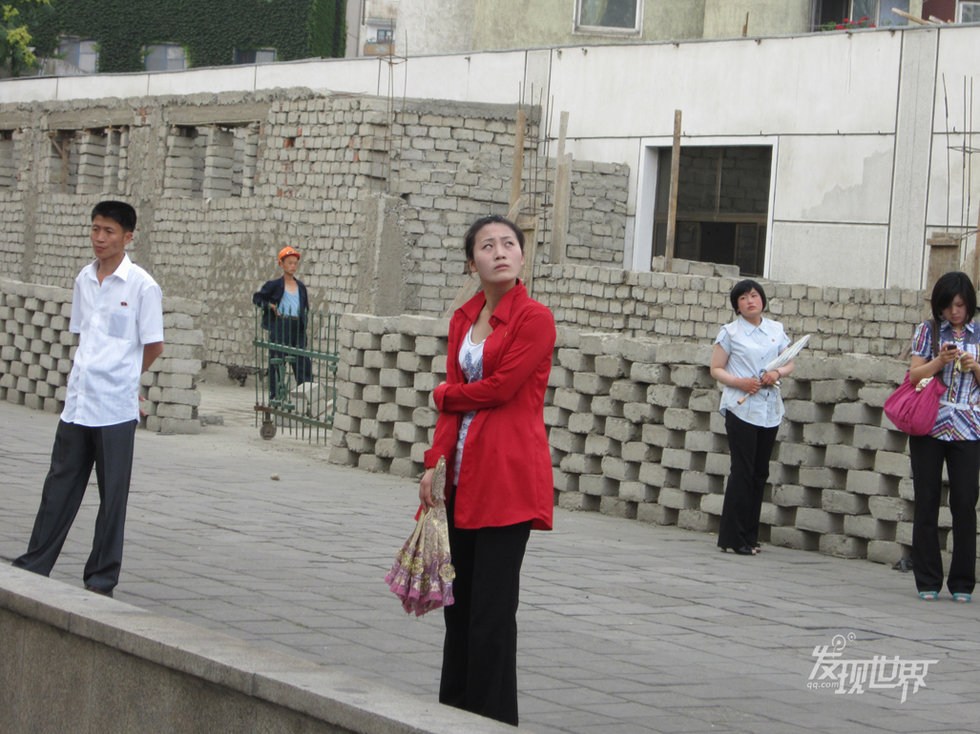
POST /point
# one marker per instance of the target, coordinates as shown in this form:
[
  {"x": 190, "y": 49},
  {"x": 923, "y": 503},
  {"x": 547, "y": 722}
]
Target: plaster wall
[
  {"x": 726, "y": 18},
  {"x": 846, "y": 107}
]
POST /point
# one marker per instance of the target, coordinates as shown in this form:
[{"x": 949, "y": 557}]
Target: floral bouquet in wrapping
[{"x": 422, "y": 574}]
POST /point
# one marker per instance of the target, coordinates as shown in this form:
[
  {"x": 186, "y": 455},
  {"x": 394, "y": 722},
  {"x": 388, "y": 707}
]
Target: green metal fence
[{"x": 296, "y": 373}]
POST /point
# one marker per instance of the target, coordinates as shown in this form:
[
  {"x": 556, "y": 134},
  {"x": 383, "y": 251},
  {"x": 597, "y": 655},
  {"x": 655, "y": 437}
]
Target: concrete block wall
[
  {"x": 303, "y": 169},
  {"x": 36, "y": 352},
  {"x": 635, "y": 432},
  {"x": 691, "y": 303}
]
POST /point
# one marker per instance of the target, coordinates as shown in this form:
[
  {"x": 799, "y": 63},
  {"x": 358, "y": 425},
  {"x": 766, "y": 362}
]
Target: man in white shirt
[{"x": 117, "y": 311}]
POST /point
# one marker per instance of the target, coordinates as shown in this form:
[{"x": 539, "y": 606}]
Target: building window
[
  {"x": 75, "y": 56},
  {"x": 847, "y": 14},
  {"x": 253, "y": 56},
  {"x": 607, "y": 15},
  {"x": 968, "y": 12},
  {"x": 164, "y": 57},
  {"x": 722, "y": 205}
]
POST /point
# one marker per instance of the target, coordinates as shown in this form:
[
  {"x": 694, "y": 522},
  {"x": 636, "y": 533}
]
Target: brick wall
[
  {"x": 36, "y": 352},
  {"x": 635, "y": 432},
  {"x": 222, "y": 182}
]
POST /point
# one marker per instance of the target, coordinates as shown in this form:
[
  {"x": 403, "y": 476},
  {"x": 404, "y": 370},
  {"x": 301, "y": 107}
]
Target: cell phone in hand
[{"x": 948, "y": 346}]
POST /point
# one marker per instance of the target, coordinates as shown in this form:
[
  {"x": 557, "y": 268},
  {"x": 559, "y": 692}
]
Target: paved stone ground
[{"x": 624, "y": 627}]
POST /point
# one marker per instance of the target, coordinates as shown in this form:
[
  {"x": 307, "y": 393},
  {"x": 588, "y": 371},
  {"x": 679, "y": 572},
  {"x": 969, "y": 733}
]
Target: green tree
[{"x": 16, "y": 53}]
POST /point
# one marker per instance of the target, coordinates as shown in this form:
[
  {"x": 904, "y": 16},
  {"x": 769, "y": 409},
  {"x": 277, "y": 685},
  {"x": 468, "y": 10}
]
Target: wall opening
[{"x": 722, "y": 204}]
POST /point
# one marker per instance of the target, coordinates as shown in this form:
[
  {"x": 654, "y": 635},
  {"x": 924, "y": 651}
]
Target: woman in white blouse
[{"x": 753, "y": 409}]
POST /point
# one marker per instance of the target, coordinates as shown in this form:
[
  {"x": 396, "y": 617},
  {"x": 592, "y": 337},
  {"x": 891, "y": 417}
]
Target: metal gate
[{"x": 296, "y": 373}]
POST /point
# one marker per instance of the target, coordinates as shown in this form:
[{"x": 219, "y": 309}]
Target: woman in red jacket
[{"x": 500, "y": 486}]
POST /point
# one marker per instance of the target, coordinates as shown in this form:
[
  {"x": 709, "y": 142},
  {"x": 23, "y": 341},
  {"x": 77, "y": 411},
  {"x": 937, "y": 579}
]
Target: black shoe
[
  {"x": 98, "y": 591},
  {"x": 744, "y": 550}
]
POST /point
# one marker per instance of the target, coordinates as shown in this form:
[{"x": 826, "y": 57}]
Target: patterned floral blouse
[{"x": 959, "y": 407}]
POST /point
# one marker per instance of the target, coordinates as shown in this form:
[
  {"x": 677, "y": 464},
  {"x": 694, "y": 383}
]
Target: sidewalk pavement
[{"x": 624, "y": 627}]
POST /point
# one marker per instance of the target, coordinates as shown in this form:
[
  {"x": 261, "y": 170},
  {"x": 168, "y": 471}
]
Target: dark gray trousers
[{"x": 76, "y": 450}]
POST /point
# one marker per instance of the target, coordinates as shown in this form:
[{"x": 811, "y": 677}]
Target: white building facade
[{"x": 863, "y": 145}]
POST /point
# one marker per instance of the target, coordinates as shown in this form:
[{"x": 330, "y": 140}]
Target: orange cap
[{"x": 287, "y": 251}]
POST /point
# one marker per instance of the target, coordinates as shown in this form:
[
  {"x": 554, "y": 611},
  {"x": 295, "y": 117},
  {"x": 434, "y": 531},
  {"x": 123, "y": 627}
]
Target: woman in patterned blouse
[{"x": 954, "y": 440}]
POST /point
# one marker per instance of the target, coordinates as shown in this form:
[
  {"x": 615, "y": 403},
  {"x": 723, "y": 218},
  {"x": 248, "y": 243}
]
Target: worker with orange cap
[{"x": 285, "y": 303}]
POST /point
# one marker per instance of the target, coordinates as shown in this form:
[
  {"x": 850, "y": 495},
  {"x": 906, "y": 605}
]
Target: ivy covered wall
[{"x": 209, "y": 30}]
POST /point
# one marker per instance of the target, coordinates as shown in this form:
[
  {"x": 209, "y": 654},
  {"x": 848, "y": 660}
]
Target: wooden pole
[
  {"x": 675, "y": 168},
  {"x": 559, "y": 223}
]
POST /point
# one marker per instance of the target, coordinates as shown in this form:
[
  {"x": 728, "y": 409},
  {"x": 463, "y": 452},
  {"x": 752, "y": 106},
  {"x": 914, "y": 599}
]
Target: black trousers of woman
[
  {"x": 750, "y": 448},
  {"x": 479, "y": 659},
  {"x": 962, "y": 459}
]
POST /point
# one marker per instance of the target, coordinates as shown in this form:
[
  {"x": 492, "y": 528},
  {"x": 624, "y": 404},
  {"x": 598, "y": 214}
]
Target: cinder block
[
  {"x": 577, "y": 501},
  {"x": 605, "y": 406},
  {"x": 777, "y": 516},
  {"x": 891, "y": 509},
  {"x": 825, "y": 434},
  {"x": 865, "y": 526},
  {"x": 870, "y": 482},
  {"x": 637, "y": 492},
  {"x": 701, "y": 483},
  {"x": 794, "y": 538},
  {"x": 654, "y": 475},
  {"x": 885, "y": 551},
  {"x": 617, "y": 507},
  {"x": 889, "y": 462},
  {"x": 821, "y": 477},
  {"x": 622, "y": 471},
  {"x": 678, "y": 499},
  {"x": 697, "y": 520},
  {"x": 843, "y": 546},
  {"x": 681, "y": 459},
  {"x": 657, "y": 514},
  {"x": 846, "y": 457},
  {"x": 581, "y": 464},
  {"x": 844, "y": 503},
  {"x": 818, "y": 521},
  {"x": 598, "y": 485},
  {"x": 585, "y": 423}
]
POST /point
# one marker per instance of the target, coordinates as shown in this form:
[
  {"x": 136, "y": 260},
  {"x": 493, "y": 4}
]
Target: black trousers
[
  {"x": 750, "y": 448},
  {"x": 479, "y": 660},
  {"x": 962, "y": 459},
  {"x": 288, "y": 331},
  {"x": 76, "y": 450}
]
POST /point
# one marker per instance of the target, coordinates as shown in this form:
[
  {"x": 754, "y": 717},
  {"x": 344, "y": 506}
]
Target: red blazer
[{"x": 506, "y": 475}]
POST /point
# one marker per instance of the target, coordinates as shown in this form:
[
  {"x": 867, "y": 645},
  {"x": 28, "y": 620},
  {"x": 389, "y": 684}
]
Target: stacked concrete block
[
  {"x": 634, "y": 431},
  {"x": 36, "y": 351},
  {"x": 691, "y": 302},
  {"x": 184, "y": 169},
  {"x": 388, "y": 369},
  {"x": 9, "y": 159},
  {"x": 91, "y": 161},
  {"x": 219, "y": 163}
]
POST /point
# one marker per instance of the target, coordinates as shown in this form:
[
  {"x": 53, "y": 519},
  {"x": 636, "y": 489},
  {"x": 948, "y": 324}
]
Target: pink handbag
[{"x": 913, "y": 408}]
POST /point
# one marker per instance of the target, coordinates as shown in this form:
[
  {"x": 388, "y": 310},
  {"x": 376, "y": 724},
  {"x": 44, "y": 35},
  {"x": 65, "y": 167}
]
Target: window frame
[
  {"x": 637, "y": 28},
  {"x": 639, "y": 250},
  {"x": 972, "y": 4}
]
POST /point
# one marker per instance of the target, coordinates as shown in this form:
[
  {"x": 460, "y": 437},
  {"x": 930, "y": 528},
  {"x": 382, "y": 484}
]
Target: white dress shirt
[
  {"x": 114, "y": 320},
  {"x": 749, "y": 349}
]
